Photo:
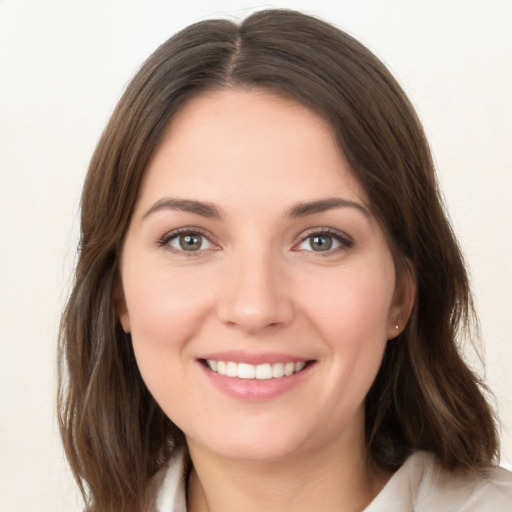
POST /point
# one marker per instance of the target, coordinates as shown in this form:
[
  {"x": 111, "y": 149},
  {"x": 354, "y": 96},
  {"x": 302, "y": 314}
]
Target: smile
[{"x": 265, "y": 371}]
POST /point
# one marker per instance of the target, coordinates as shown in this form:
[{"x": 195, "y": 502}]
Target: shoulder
[
  {"x": 422, "y": 485},
  {"x": 168, "y": 485},
  {"x": 489, "y": 490}
]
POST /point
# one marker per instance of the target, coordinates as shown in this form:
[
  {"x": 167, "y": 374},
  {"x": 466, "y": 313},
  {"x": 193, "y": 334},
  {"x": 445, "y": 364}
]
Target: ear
[
  {"x": 403, "y": 301},
  {"x": 121, "y": 308}
]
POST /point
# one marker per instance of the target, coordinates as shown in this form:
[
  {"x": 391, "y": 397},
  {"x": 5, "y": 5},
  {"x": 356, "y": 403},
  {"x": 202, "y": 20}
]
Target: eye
[
  {"x": 188, "y": 241},
  {"x": 324, "y": 241}
]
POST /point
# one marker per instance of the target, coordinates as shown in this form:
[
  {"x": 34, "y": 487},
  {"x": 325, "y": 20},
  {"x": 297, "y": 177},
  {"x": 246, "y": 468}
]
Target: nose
[{"x": 255, "y": 295}]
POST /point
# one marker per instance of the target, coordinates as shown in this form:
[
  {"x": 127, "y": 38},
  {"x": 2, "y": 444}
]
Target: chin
[
  {"x": 260, "y": 441},
  {"x": 269, "y": 450}
]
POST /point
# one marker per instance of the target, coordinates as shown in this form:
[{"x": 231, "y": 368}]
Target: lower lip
[{"x": 254, "y": 389}]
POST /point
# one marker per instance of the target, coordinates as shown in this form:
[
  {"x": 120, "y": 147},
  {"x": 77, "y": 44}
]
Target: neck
[{"x": 310, "y": 481}]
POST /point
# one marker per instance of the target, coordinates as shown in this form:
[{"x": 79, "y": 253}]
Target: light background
[{"x": 64, "y": 64}]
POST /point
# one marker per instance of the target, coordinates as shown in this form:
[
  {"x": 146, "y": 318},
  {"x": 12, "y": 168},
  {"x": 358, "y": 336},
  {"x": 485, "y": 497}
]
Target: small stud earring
[{"x": 396, "y": 327}]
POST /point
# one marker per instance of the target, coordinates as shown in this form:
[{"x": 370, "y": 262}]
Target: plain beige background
[{"x": 62, "y": 67}]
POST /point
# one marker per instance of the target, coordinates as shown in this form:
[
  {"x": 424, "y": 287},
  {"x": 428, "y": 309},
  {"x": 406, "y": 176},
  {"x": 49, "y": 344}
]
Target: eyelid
[
  {"x": 164, "y": 240},
  {"x": 345, "y": 240}
]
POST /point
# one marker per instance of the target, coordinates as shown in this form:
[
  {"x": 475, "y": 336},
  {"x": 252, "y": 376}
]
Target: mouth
[{"x": 263, "y": 371}]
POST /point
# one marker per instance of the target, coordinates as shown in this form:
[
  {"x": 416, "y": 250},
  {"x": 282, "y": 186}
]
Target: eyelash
[
  {"x": 344, "y": 240},
  {"x": 165, "y": 240}
]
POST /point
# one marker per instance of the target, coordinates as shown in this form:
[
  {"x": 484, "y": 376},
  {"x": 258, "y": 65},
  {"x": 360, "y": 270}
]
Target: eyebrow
[
  {"x": 186, "y": 205},
  {"x": 209, "y": 210},
  {"x": 322, "y": 205}
]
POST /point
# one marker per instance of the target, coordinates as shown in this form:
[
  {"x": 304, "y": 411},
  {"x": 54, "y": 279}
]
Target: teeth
[
  {"x": 278, "y": 370},
  {"x": 245, "y": 371},
  {"x": 288, "y": 369},
  {"x": 231, "y": 369},
  {"x": 263, "y": 371},
  {"x": 299, "y": 366}
]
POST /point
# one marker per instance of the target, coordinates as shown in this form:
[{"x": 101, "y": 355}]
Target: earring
[{"x": 396, "y": 327}]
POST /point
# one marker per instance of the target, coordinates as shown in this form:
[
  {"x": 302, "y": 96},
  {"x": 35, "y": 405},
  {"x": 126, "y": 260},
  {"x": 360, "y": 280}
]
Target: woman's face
[{"x": 258, "y": 288}]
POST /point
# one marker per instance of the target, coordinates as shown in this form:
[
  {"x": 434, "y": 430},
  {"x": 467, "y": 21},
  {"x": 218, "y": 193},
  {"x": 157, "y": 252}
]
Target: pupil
[
  {"x": 190, "y": 242},
  {"x": 322, "y": 242}
]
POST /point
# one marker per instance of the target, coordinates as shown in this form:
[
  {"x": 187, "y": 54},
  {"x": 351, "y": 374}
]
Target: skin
[{"x": 257, "y": 283}]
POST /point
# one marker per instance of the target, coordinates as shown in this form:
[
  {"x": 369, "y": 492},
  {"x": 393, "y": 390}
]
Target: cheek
[
  {"x": 166, "y": 311},
  {"x": 351, "y": 302},
  {"x": 350, "y": 310},
  {"x": 163, "y": 306}
]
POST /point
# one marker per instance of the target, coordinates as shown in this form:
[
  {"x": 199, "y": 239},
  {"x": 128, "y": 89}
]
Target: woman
[{"x": 268, "y": 293}]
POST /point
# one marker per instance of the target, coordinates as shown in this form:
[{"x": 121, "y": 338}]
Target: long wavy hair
[{"x": 424, "y": 397}]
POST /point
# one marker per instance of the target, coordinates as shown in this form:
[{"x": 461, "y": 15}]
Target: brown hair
[{"x": 424, "y": 397}]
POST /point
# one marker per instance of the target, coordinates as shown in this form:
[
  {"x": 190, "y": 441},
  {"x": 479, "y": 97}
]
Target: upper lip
[{"x": 255, "y": 358}]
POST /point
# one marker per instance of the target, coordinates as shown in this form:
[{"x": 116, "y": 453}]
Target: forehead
[{"x": 232, "y": 140}]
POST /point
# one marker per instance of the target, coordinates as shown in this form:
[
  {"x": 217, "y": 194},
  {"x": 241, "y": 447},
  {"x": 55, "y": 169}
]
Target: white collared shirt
[{"x": 420, "y": 485}]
